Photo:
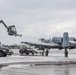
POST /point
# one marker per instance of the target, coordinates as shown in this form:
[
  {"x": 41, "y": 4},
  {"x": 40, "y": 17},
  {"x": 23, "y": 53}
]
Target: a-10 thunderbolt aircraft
[{"x": 60, "y": 43}]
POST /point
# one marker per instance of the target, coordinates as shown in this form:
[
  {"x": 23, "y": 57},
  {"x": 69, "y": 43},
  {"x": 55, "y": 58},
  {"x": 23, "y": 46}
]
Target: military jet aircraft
[{"x": 64, "y": 42}]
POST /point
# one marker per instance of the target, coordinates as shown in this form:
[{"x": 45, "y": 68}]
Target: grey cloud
[
  {"x": 38, "y": 18},
  {"x": 44, "y": 4}
]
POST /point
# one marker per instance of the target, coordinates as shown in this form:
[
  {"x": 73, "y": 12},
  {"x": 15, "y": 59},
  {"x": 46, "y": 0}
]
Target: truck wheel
[
  {"x": 1, "y": 53},
  {"x": 21, "y": 52},
  {"x": 4, "y": 55},
  {"x": 32, "y": 53}
]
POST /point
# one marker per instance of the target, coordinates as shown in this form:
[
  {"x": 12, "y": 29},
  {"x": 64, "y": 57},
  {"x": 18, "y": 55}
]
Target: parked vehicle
[
  {"x": 27, "y": 51},
  {"x": 5, "y": 51}
]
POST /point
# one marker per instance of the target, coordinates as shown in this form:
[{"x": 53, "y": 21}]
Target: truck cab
[{"x": 4, "y": 51}]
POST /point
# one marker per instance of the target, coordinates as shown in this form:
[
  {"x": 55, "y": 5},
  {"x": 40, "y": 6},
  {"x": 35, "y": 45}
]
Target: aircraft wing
[
  {"x": 42, "y": 45},
  {"x": 72, "y": 44}
]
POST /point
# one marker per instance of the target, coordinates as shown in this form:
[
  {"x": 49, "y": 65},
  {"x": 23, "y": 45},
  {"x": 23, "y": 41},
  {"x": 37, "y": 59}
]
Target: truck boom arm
[
  {"x": 10, "y": 29},
  {"x": 1, "y": 21}
]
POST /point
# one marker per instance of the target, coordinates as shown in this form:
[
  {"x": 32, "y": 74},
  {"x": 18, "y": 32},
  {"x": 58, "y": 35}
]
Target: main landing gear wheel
[{"x": 66, "y": 53}]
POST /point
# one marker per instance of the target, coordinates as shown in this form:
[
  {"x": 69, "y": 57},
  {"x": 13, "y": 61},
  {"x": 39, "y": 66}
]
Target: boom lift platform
[{"x": 11, "y": 29}]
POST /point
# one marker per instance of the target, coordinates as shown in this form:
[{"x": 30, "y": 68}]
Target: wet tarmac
[
  {"x": 38, "y": 70},
  {"x": 17, "y": 68}
]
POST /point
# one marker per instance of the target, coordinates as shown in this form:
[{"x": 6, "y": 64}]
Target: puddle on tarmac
[{"x": 38, "y": 70}]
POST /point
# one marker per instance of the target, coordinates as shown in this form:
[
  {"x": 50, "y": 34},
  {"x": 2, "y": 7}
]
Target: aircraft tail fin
[{"x": 65, "y": 43}]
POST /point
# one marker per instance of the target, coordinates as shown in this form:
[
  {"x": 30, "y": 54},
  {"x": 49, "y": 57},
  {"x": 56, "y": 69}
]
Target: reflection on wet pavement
[{"x": 38, "y": 70}]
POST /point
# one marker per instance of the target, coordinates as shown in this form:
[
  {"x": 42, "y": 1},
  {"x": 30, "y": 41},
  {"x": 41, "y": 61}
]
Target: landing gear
[
  {"x": 43, "y": 52},
  {"x": 66, "y": 52},
  {"x": 46, "y": 52}
]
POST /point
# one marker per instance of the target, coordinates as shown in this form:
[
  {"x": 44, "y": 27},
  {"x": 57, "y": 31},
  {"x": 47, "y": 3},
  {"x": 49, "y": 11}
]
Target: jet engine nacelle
[
  {"x": 64, "y": 41},
  {"x": 57, "y": 40},
  {"x": 45, "y": 40}
]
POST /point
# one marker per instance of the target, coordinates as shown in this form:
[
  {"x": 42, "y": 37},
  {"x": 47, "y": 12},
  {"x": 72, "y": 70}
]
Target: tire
[
  {"x": 2, "y": 54},
  {"x": 32, "y": 53},
  {"x": 21, "y": 52}
]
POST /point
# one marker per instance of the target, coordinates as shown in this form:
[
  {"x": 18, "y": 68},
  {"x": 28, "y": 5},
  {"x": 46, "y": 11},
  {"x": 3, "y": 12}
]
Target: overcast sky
[{"x": 37, "y": 18}]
